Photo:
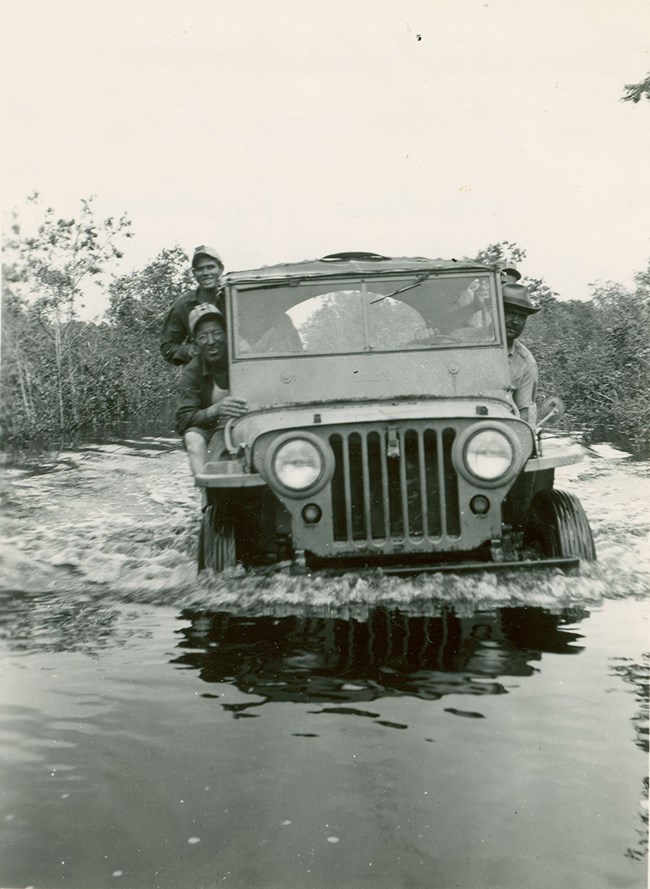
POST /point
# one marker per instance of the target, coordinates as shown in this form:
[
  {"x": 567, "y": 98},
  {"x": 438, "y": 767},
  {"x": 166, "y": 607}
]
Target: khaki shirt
[{"x": 523, "y": 379}]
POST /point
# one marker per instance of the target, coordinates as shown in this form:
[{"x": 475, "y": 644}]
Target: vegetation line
[{"x": 60, "y": 374}]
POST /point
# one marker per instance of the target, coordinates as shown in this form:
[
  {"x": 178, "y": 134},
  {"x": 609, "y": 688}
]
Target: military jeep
[{"x": 381, "y": 429}]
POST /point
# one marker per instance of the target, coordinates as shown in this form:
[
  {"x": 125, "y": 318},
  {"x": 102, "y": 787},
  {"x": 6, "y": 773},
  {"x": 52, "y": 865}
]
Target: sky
[{"x": 286, "y": 130}]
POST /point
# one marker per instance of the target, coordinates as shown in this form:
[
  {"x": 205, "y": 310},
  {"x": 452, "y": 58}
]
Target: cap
[
  {"x": 512, "y": 269},
  {"x": 517, "y": 295},
  {"x": 203, "y": 312},
  {"x": 210, "y": 252}
]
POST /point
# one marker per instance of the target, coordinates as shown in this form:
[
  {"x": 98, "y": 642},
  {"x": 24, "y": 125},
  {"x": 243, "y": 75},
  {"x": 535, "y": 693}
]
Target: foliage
[
  {"x": 337, "y": 324},
  {"x": 60, "y": 374},
  {"x": 43, "y": 284},
  {"x": 596, "y": 355},
  {"x": 501, "y": 253},
  {"x": 138, "y": 301},
  {"x": 634, "y": 92}
]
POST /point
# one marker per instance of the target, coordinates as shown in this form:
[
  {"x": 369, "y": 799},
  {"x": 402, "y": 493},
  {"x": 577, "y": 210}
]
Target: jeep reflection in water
[{"x": 381, "y": 428}]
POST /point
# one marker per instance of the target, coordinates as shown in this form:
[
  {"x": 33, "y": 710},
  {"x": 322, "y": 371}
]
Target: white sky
[{"x": 280, "y": 130}]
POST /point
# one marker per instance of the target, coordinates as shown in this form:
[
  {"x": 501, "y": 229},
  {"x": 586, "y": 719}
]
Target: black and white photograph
[{"x": 325, "y": 444}]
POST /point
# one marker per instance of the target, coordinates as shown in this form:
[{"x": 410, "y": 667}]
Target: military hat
[
  {"x": 511, "y": 269},
  {"x": 210, "y": 252},
  {"x": 204, "y": 312}
]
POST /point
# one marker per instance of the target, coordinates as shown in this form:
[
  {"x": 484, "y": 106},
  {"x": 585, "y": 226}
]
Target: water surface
[{"x": 159, "y": 731}]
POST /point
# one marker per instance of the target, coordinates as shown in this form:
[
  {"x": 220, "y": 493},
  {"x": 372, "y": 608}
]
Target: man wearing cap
[
  {"x": 523, "y": 367},
  {"x": 205, "y": 402},
  {"x": 510, "y": 274},
  {"x": 207, "y": 268}
]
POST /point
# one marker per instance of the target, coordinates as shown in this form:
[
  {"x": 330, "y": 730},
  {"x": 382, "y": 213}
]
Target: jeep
[{"x": 381, "y": 429}]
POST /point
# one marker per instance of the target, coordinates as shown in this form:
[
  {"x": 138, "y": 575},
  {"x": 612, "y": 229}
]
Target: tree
[
  {"x": 143, "y": 382},
  {"x": 140, "y": 300},
  {"x": 46, "y": 273},
  {"x": 634, "y": 92},
  {"x": 501, "y": 253},
  {"x": 506, "y": 252}
]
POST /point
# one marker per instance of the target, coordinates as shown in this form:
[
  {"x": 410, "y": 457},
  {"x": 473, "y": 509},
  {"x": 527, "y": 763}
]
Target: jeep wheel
[
  {"x": 557, "y": 526},
  {"x": 216, "y": 545}
]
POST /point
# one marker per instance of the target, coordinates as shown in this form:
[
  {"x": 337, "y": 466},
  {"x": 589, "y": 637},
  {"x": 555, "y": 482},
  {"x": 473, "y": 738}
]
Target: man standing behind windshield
[{"x": 175, "y": 338}]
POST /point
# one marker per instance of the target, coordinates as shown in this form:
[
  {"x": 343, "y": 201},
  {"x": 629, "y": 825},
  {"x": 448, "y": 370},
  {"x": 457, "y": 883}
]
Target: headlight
[
  {"x": 298, "y": 464},
  {"x": 489, "y": 454}
]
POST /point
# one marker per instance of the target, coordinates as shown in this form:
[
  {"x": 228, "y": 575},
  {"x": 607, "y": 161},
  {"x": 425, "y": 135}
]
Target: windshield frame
[{"x": 362, "y": 283}]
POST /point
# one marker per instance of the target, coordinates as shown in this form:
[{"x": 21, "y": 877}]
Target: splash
[{"x": 121, "y": 521}]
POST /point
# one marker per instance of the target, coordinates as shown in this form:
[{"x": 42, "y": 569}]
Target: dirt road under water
[
  {"x": 160, "y": 730},
  {"x": 122, "y": 519}
]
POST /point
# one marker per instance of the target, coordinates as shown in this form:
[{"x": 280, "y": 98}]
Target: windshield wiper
[{"x": 403, "y": 289}]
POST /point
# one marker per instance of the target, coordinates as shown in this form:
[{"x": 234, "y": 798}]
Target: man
[
  {"x": 510, "y": 274},
  {"x": 205, "y": 402},
  {"x": 207, "y": 268},
  {"x": 523, "y": 367}
]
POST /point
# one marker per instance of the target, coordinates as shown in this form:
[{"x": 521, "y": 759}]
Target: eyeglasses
[{"x": 214, "y": 336}]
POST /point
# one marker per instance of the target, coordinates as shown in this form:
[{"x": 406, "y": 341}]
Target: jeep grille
[{"x": 411, "y": 496}]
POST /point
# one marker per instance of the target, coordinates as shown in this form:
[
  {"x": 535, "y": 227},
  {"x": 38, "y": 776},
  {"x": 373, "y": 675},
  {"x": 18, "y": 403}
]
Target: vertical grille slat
[
  {"x": 424, "y": 500},
  {"x": 347, "y": 491},
  {"x": 379, "y": 487},
  {"x": 411, "y": 463},
  {"x": 452, "y": 511},
  {"x": 403, "y": 489},
  {"x": 434, "y": 503},
  {"x": 365, "y": 471},
  {"x": 379, "y": 499},
  {"x": 339, "y": 526}
]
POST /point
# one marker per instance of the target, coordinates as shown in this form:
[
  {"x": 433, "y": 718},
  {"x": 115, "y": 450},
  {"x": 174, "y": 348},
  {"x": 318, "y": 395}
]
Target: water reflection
[
  {"x": 55, "y": 623},
  {"x": 329, "y": 660},
  {"x": 638, "y": 676}
]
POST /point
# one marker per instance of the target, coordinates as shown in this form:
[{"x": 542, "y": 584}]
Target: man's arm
[
  {"x": 173, "y": 339},
  {"x": 190, "y": 411}
]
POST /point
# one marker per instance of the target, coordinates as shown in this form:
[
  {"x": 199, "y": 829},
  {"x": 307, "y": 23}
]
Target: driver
[{"x": 205, "y": 402}]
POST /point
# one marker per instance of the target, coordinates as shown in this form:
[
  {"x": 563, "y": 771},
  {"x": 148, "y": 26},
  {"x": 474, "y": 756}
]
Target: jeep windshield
[{"x": 364, "y": 315}]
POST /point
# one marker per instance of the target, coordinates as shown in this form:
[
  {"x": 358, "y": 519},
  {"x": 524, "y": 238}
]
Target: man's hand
[{"x": 228, "y": 408}]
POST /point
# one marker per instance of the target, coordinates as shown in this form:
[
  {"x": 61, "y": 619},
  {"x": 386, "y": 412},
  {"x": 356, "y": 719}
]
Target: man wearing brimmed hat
[
  {"x": 205, "y": 402},
  {"x": 523, "y": 367},
  {"x": 207, "y": 268}
]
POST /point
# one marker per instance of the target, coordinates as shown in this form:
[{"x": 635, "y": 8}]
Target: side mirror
[{"x": 551, "y": 410}]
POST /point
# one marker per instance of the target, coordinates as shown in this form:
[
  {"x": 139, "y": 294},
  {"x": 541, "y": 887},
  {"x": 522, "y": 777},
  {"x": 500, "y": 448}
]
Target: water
[{"x": 158, "y": 731}]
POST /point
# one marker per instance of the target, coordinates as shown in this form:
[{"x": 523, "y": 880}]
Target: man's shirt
[
  {"x": 523, "y": 379},
  {"x": 196, "y": 395},
  {"x": 175, "y": 334}
]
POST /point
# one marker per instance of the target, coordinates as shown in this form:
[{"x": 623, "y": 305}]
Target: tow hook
[
  {"x": 504, "y": 548},
  {"x": 299, "y": 562}
]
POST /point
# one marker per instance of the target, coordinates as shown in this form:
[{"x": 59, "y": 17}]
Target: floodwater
[{"x": 156, "y": 730}]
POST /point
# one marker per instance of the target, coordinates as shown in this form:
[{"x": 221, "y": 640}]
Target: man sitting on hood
[{"x": 205, "y": 402}]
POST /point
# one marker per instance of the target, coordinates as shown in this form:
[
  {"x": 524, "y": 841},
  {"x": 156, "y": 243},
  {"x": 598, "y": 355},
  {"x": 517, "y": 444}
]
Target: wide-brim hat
[
  {"x": 210, "y": 252},
  {"x": 518, "y": 295},
  {"x": 204, "y": 312}
]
